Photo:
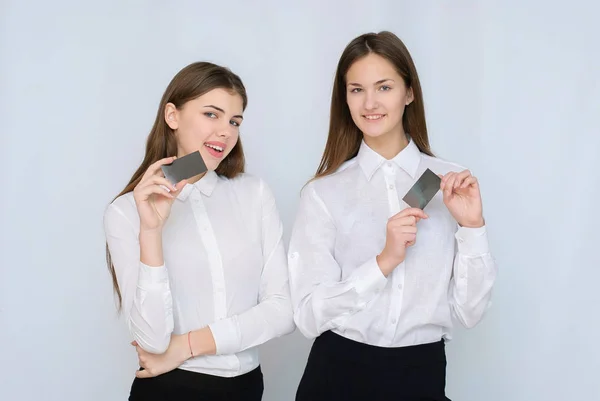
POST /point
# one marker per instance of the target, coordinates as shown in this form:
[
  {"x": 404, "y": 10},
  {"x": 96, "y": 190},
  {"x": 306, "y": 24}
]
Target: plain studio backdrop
[{"x": 511, "y": 91}]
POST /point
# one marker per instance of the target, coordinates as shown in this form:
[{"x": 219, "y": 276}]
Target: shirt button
[
  {"x": 389, "y": 164},
  {"x": 399, "y": 286},
  {"x": 391, "y": 186},
  {"x": 394, "y": 321}
]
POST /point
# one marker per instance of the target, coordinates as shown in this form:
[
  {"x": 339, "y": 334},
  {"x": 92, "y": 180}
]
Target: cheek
[
  {"x": 192, "y": 135},
  {"x": 395, "y": 106},
  {"x": 354, "y": 107}
]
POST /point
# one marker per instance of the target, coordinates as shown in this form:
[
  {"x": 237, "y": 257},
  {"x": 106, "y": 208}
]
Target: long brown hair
[
  {"x": 344, "y": 139},
  {"x": 191, "y": 82}
]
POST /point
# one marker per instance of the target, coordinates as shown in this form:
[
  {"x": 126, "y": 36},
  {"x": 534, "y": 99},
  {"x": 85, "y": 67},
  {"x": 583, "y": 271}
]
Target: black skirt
[
  {"x": 343, "y": 369},
  {"x": 182, "y": 384}
]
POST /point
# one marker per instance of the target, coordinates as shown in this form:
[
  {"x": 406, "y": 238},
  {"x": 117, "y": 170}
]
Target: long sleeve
[
  {"x": 474, "y": 273},
  {"x": 320, "y": 298},
  {"x": 147, "y": 302},
  {"x": 272, "y": 316}
]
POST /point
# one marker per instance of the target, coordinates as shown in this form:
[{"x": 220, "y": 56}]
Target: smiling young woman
[
  {"x": 376, "y": 282},
  {"x": 198, "y": 266}
]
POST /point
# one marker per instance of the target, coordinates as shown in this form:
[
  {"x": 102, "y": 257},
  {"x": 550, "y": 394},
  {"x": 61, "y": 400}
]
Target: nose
[
  {"x": 225, "y": 131},
  {"x": 370, "y": 101}
]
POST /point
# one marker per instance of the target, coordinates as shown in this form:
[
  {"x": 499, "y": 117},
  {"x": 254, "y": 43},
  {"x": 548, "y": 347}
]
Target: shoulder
[
  {"x": 245, "y": 182},
  {"x": 250, "y": 185},
  {"x": 439, "y": 165},
  {"x": 345, "y": 174},
  {"x": 120, "y": 211}
]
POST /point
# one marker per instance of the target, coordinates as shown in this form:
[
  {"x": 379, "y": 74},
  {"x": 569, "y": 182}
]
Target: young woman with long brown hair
[
  {"x": 375, "y": 281},
  {"x": 199, "y": 267}
]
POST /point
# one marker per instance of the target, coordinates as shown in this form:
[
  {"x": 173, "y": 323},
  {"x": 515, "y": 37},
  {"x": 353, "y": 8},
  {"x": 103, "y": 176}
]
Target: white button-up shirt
[
  {"x": 225, "y": 267},
  {"x": 340, "y": 228}
]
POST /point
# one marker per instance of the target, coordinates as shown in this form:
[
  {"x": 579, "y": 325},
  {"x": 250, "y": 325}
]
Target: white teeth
[
  {"x": 217, "y": 148},
  {"x": 374, "y": 117}
]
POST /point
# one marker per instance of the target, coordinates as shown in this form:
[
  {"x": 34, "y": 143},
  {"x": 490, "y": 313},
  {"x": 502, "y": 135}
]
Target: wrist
[
  {"x": 473, "y": 224},
  {"x": 202, "y": 342},
  {"x": 182, "y": 347},
  {"x": 151, "y": 248},
  {"x": 150, "y": 232},
  {"x": 386, "y": 263}
]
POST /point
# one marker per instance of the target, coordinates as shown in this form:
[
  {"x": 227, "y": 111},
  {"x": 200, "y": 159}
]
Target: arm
[
  {"x": 321, "y": 300},
  {"x": 474, "y": 273},
  {"x": 147, "y": 302},
  {"x": 272, "y": 316}
]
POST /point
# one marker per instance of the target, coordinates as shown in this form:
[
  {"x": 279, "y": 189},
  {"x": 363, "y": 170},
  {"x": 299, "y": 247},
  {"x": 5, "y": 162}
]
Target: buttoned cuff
[
  {"x": 472, "y": 241},
  {"x": 226, "y": 334},
  {"x": 368, "y": 278},
  {"x": 152, "y": 276}
]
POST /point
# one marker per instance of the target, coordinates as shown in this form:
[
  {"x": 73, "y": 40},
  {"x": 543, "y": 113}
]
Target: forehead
[
  {"x": 370, "y": 69},
  {"x": 226, "y": 99}
]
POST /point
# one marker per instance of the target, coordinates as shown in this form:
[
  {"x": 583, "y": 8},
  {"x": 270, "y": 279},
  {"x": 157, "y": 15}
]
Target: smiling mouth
[
  {"x": 373, "y": 117},
  {"x": 215, "y": 147}
]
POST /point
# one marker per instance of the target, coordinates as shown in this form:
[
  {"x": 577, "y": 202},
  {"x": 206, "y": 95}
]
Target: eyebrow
[
  {"x": 223, "y": 111},
  {"x": 376, "y": 83}
]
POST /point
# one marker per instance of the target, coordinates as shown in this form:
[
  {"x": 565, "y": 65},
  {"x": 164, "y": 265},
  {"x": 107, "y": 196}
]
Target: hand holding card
[
  {"x": 154, "y": 195},
  {"x": 463, "y": 198},
  {"x": 184, "y": 167},
  {"x": 423, "y": 190}
]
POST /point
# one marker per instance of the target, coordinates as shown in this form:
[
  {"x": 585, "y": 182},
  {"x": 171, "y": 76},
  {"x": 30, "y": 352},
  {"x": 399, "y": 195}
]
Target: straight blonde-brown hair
[
  {"x": 344, "y": 138},
  {"x": 190, "y": 83}
]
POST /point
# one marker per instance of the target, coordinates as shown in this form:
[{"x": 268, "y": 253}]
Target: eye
[
  {"x": 385, "y": 88},
  {"x": 210, "y": 114},
  {"x": 355, "y": 90},
  {"x": 234, "y": 123}
]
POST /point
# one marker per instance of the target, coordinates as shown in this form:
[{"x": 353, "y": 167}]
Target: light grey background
[{"x": 511, "y": 91}]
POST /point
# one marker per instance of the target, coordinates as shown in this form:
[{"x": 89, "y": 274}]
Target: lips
[
  {"x": 373, "y": 117},
  {"x": 216, "y": 149}
]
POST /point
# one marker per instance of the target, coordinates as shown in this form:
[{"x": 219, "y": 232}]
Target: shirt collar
[
  {"x": 205, "y": 185},
  {"x": 408, "y": 159}
]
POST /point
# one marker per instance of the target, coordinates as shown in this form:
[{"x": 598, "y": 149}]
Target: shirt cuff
[
  {"x": 152, "y": 276},
  {"x": 226, "y": 334},
  {"x": 472, "y": 241},
  {"x": 368, "y": 278}
]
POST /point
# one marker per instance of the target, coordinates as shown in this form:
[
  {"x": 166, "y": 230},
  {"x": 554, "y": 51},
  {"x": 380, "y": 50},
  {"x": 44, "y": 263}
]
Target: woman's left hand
[
  {"x": 462, "y": 198},
  {"x": 157, "y": 364}
]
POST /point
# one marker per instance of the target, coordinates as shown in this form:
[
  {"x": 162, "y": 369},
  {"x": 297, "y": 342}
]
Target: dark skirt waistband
[{"x": 346, "y": 349}]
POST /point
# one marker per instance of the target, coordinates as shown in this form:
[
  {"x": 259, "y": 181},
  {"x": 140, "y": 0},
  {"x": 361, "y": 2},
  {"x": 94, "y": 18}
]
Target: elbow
[
  {"x": 469, "y": 322},
  {"x": 470, "y": 318},
  {"x": 288, "y": 326},
  {"x": 153, "y": 346},
  {"x": 308, "y": 331},
  {"x": 154, "y": 343},
  {"x": 286, "y": 321}
]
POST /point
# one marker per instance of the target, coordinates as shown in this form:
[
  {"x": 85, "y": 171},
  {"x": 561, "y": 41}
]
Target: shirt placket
[
  {"x": 397, "y": 276},
  {"x": 215, "y": 262}
]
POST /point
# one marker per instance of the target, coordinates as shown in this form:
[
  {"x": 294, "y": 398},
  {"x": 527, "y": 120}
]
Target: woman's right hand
[
  {"x": 401, "y": 233},
  {"x": 152, "y": 199}
]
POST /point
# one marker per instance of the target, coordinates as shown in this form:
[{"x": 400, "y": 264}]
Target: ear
[
  {"x": 172, "y": 116},
  {"x": 410, "y": 96}
]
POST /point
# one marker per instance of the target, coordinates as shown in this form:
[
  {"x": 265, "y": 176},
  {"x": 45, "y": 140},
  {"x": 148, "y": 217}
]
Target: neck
[{"x": 388, "y": 145}]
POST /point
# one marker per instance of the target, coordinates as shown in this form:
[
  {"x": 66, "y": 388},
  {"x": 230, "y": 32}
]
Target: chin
[{"x": 373, "y": 133}]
